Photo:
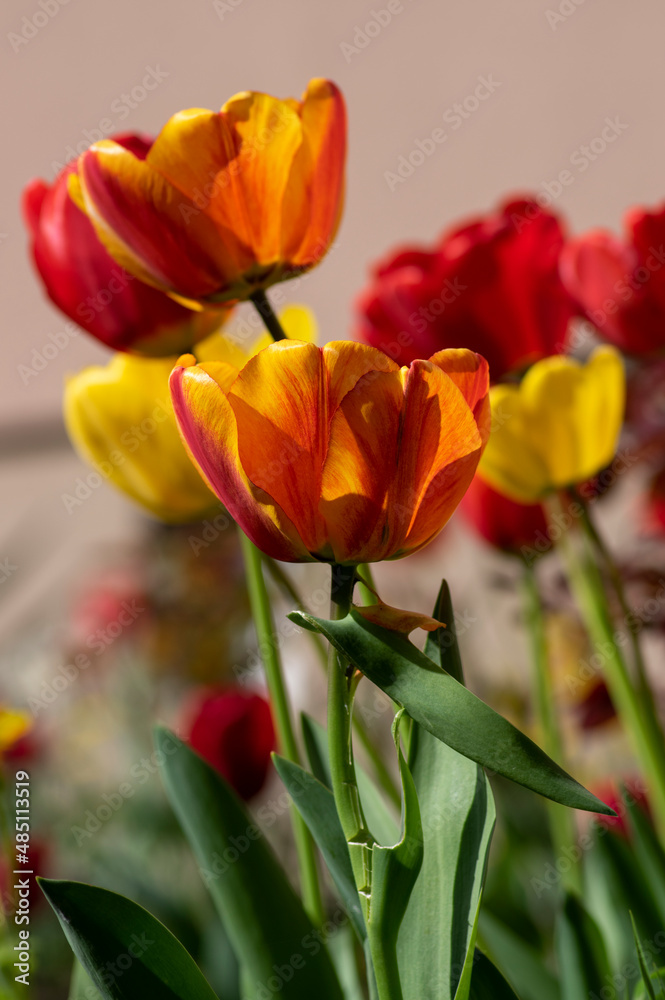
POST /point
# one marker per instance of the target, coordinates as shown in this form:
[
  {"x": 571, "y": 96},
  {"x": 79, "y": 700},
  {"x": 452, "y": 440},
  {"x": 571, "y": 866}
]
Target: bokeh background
[{"x": 560, "y": 71}]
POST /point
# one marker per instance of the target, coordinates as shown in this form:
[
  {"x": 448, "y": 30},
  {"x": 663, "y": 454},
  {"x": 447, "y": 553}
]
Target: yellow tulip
[
  {"x": 120, "y": 419},
  {"x": 557, "y": 428},
  {"x": 14, "y": 724}
]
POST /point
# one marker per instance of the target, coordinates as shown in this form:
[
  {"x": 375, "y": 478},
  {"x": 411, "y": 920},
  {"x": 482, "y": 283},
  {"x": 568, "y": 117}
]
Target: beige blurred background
[{"x": 559, "y": 70}]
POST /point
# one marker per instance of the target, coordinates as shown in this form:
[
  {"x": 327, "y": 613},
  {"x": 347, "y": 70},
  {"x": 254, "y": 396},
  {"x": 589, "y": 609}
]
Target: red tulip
[
  {"x": 233, "y": 730},
  {"x": 491, "y": 285},
  {"x": 620, "y": 284},
  {"x": 520, "y": 529},
  {"x": 84, "y": 281}
]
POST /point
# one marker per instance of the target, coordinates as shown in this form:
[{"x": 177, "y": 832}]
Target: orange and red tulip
[
  {"x": 336, "y": 453},
  {"x": 224, "y": 203}
]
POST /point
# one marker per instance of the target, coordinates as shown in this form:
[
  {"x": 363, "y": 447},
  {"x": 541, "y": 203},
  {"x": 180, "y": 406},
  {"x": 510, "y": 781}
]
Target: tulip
[
  {"x": 84, "y": 281},
  {"x": 558, "y": 428},
  {"x": 225, "y": 203},
  {"x": 491, "y": 285},
  {"x": 620, "y": 283},
  {"x": 233, "y": 731},
  {"x": 514, "y": 528},
  {"x": 14, "y": 725},
  {"x": 336, "y": 453},
  {"x": 120, "y": 419}
]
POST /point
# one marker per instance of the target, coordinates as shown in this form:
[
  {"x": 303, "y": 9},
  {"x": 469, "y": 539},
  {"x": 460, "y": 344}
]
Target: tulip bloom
[
  {"x": 336, "y": 453},
  {"x": 84, "y": 281},
  {"x": 233, "y": 731},
  {"x": 558, "y": 428},
  {"x": 224, "y": 203},
  {"x": 515, "y": 528},
  {"x": 620, "y": 284},
  {"x": 491, "y": 285}
]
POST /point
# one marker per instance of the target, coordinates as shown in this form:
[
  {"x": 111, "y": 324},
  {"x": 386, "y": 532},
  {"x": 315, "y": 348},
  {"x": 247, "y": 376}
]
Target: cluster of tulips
[{"x": 348, "y": 454}]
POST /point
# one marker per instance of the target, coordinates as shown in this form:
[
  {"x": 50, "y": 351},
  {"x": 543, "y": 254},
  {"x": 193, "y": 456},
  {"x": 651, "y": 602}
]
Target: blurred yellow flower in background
[
  {"x": 14, "y": 724},
  {"x": 120, "y": 420},
  {"x": 558, "y": 427}
]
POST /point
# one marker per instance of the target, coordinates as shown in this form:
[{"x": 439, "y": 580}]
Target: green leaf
[
  {"x": 458, "y": 818},
  {"x": 457, "y": 810},
  {"x": 441, "y": 646},
  {"x": 379, "y": 816},
  {"x": 268, "y": 928},
  {"x": 82, "y": 986},
  {"x": 614, "y": 886},
  {"x": 316, "y": 805},
  {"x": 487, "y": 983},
  {"x": 342, "y": 947},
  {"x": 464, "y": 985},
  {"x": 646, "y": 975},
  {"x": 518, "y": 960},
  {"x": 583, "y": 964},
  {"x": 128, "y": 954},
  {"x": 440, "y": 704},
  {"x": 648, "y": 853}
]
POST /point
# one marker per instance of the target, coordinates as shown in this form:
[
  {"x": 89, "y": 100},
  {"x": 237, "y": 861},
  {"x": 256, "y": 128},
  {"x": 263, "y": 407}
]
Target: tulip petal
[
  {"x": 279, "y": 404},
  {"x": 361, "y": 465},
  {"x": 470, "y": 373},
  {"x": 576, "y": 410},
  {"x": 440, "y": 448},
  {"x": 266, "y": 134},
  {"x": 208, "y": 425},
  {"x": 324, "y": 126},
  {"x": 148, "y": 226},
  {"x": 511, "y": 463}
]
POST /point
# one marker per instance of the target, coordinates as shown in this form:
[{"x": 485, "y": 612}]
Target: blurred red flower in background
[
  {"x": 520, "y": 529},
  {"x": 233, "y": 730},
  {"x": 491, "y": 285},
  {"x": 620, "y": 284},
  {"x": 84, "y": 281}
]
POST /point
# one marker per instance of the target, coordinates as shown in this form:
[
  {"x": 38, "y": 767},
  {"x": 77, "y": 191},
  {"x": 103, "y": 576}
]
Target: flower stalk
[
  {"x": 342, "y": 684},
  {"x": 635, "y": 711},
  {"x": 288, "y": 747},
  {"x": 561, "y": 819}
]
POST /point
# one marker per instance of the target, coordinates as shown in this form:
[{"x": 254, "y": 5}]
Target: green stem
[
  {"x": 638, "y": 716},
  {"x": 341, "y": 690},
  {"x": 383, "y": 775},
  {"x": 597, "y": 542},
  {"x": 265, "y": 631},
  {"x": 267, "y": 314},
  {"x": 561, "y": 819}
]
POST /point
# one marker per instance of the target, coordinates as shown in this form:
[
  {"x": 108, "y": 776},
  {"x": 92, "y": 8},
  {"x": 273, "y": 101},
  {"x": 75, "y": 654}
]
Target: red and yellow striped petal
[
  {"x": 440, "y": 449},
  {"x": 208, "y": 425},
  {"x": 148, "y": 226},
  {"x": 324, "y": 126}
]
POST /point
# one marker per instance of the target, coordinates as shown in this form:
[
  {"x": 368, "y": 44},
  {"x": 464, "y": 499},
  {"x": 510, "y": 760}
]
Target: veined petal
[
  {"x": 360, "y": 466},
  {"x": 148, "y": 226},
  {"x": 280, "y": 408},
  {"x": 470, "y": 373},
  {"x": 440, "y": 448},
  {"x": 208, "y": 425},
  {"x": 346, "y": 363},
  {"x": 265, "y": 134},
  {"x": 324, "y": 126}
]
